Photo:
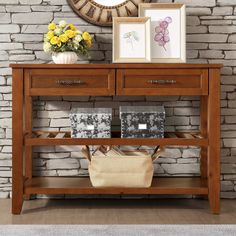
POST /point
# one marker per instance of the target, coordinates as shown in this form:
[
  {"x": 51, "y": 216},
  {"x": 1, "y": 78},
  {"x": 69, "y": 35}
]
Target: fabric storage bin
[
  {"x": 121, "y": 170},
  {"x": 116, "y": 171},
  {"x": 91, "y": 123},
  {"x": 142, "y": 121}
]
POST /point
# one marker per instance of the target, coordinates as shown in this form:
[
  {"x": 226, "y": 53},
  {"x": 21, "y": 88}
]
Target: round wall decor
[{"x": 100, "y": 12}]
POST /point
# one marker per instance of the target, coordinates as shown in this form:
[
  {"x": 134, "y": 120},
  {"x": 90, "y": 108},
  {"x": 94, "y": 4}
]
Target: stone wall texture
[{"x": 211, "y": 38}]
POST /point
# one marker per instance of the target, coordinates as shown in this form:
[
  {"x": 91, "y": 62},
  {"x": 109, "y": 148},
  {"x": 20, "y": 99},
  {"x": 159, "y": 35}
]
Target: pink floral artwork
[{"x": 162, "y": 33}]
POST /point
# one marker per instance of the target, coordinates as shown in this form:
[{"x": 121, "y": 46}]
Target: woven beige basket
[{"x": 121, "y": 170}]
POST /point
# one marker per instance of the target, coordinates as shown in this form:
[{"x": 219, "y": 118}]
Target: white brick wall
[{"x": 211, "y": 37}]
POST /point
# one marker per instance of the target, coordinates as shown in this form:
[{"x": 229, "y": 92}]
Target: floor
[{"x": 118, "y": 211}]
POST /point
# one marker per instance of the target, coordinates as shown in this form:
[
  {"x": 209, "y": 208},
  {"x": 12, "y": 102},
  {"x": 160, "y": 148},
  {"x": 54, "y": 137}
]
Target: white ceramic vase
[{"x": 64, "y": 57}]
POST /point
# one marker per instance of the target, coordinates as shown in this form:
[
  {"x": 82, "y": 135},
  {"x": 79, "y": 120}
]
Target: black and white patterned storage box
[
  {"x": 91, "y": 123},
  {"x": 142, "y": 121}
]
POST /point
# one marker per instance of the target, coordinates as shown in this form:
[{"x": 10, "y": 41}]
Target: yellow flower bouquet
[{"x": 66, "y": 38}]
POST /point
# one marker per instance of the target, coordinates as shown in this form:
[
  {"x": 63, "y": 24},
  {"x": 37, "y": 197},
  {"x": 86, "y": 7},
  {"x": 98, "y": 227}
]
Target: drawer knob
[
  {"x": 70, "y": 82},
  {"x": 161, "y": 81}
]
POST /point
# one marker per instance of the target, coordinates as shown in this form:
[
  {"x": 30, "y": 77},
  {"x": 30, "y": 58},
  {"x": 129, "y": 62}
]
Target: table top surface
[{"x": 117, "y": 66}]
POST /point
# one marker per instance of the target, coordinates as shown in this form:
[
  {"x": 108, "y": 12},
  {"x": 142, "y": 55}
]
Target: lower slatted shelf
[{"x": 82, "y": 185}]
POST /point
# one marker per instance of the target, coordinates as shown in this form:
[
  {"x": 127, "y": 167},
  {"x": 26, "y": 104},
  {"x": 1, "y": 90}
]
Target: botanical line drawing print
[
  {"x": 131, "y": 37},
  {"x": 162, "y": 33}
]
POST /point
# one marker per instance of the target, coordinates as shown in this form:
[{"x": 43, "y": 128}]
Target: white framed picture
[
  {"x": 131, "y": 39},
  {"x": 167, "y": 32}
]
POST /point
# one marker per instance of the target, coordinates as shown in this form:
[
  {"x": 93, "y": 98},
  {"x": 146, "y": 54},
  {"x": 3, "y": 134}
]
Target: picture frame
[
  {"x": 167, "y": 32},
  {"x": 131, "y": 40}
]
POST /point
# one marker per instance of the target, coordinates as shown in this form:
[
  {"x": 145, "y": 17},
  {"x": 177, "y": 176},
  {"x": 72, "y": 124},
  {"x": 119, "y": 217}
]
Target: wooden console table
[{"x": 109, "y": 80}]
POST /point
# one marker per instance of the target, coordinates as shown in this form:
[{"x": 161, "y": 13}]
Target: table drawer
[
  {"x": 97, "y": 82},
  {"x": 162, "y": 82}
]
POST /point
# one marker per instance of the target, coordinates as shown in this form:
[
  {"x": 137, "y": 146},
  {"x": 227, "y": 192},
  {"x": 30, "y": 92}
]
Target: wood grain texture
[
  {"x": 74, "y": 185},
  {"x": 17, "y": 141},
  {"x": 162, "y": 82},
  {"x": 116, "y": 79},
  {"x": 42, "y": 138},
  {"x": 115, "y": 141},
  {"x": 98, "y": 14},
  {"x": 28, "y": 164},
  {"x": 117, "y": 66},
  {"x": 204, "y": 132},
  {"x": 28, "y": 120},
  {"x": 54, "y": 82},
  {"x": 214, "y": 140}
]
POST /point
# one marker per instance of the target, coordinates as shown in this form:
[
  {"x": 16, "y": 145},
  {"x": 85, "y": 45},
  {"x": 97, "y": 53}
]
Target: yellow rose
[
  {"x": 86, "y": 36},
  {"x": 54, "y": 40},
  {"x": 52, "y": 26},
  {"x": 70, "y": 33},
  {"x": 50, "y": 34},
  {"x": 72, "y": 27},
  {"x": 63, "y": 38},
  {"x": 89, "y": 43},
  {"x": 59, "y": 43}
]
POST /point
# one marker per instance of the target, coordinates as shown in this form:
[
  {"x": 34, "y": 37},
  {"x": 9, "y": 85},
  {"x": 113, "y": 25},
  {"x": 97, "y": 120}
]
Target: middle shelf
[{"x": 46, "y": 138}]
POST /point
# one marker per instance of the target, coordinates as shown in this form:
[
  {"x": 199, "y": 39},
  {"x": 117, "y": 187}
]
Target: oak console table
[{"x": 109, "y": 80}]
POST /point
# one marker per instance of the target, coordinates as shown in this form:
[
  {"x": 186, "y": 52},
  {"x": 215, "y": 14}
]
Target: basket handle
[
  {"x": 86, "y": 152},
  {"x": 157, "y": 152}
]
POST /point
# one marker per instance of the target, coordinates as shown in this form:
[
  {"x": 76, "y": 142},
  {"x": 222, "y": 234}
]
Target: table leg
[
  {"x": 28, "y": 149},
  {"x": 203, "y": 128},
  {"x": 17, "y": 139},
  {"x": 214, "y": 140}
]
